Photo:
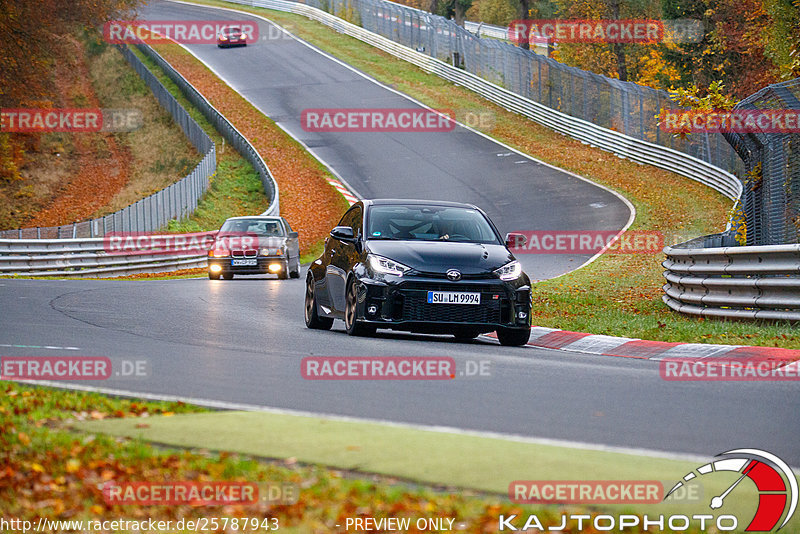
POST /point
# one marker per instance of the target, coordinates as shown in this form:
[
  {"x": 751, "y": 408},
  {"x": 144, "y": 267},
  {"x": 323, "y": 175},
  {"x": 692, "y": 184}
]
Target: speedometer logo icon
[{"x": 774, "y": 479}]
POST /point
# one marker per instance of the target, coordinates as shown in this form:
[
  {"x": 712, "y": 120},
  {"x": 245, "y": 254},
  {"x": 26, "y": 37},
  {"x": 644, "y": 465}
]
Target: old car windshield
[
  {"x": 429, "y": 223},
  {"x": 231, "y": 31},
  {"x": 253, "y": 226}
]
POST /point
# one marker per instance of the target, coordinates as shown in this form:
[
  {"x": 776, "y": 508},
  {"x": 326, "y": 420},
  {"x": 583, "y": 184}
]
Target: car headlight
[
  {"x": 271, "y": 252},
  {"x": 509, "y": 271},
  {"x": 219, "y": 253},
  {"x": 382, "y": 265}
]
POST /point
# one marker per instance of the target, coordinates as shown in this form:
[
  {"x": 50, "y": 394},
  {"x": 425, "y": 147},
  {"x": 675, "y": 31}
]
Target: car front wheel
[{"x": 351, "y": 324}]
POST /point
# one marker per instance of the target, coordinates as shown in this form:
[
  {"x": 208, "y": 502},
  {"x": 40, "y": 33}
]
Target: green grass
[
  {"x": 235, "y": 189},
  {"x": 53, "y": 471},
  {"x": 427, "y": 457}
]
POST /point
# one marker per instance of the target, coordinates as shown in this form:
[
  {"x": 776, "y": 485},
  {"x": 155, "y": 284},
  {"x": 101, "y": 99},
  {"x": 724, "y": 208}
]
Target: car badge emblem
[{"x": 453, "y": 275}]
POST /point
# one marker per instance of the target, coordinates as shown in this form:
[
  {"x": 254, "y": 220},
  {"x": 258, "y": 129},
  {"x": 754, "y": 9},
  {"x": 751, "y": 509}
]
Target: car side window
[
  {"x": 352, "y": 219},
  {"x": 288, "y": 227}
]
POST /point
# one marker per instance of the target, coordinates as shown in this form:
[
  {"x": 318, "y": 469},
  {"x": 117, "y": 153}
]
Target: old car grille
[{"x": 249, "y": 253}]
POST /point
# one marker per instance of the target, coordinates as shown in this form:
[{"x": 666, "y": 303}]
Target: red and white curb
[
  {"x": 625, "y": 347},
  {"x": 339, "y": 186}
]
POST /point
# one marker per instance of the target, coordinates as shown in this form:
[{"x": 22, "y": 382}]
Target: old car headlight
[
  {"x": 509, "y": 271},
  {"x": 382, "y": 265}
]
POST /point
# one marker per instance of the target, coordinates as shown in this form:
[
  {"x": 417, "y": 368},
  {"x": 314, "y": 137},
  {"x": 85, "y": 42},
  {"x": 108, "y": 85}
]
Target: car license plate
[
  {"x": 248, "y": 262},
  {"x": 452, "y": 297}
]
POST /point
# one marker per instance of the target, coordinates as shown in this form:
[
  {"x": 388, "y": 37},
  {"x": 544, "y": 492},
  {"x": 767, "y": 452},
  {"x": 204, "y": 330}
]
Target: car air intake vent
[{"x": 416, "y": 308}]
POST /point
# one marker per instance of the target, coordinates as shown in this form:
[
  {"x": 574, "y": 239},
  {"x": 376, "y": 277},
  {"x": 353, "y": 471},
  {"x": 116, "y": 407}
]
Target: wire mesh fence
[
  {"x": 624, "y": 107},
  {"x": 771, "y": 196}
]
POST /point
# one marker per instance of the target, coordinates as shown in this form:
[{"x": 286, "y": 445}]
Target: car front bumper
[
  {"x": 402, "y": 304},
  {"x": 261, "y": 267}
]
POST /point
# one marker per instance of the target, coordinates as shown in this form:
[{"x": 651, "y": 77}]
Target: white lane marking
[
  {"x": 224, "y": 405},
  {"x": 49, "y": 347},
  {"x": 631, "y": 208}
]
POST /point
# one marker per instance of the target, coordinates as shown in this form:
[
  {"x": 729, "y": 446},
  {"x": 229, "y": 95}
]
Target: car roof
[
  {"x": 416, "y": 202},
  {"x": 259, "y": 217}
]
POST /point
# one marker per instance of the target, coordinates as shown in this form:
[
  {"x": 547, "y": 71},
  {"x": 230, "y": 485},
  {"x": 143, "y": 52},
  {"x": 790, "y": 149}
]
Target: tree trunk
[
  {"x": 460, "y": 13},
  {"x": 525, "y": 14},
  {"x": 619, "y": 48}
]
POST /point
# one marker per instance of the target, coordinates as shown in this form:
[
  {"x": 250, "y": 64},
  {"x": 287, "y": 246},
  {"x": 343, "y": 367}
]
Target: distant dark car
[
  {"x": 231, "y": 36},
  {"x": 255, "y": 245},
  {"x": 419, "y": 266}
]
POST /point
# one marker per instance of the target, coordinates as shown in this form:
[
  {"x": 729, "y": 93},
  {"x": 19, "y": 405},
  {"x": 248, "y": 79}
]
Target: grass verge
[
  {"x": 618, "y": 294},
  {"x": 307, "y": 200},
  {"x": 51, "y": 471}
]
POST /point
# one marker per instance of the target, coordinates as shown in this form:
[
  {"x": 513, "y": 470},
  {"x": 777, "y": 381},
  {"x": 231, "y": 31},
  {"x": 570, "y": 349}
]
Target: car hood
[
  {"x": 235, "y": 241},
  {"x": 440, "y": 256}
]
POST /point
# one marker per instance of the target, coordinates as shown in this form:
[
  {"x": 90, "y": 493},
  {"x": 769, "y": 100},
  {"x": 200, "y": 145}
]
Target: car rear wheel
[
  {"x": 227, "y": 276},
  {"x": 351, "y": 324},
  {"x": 513, "y": 337},
  {"x": 313, "y": 320},
  {"x": 295, "y": 273}
]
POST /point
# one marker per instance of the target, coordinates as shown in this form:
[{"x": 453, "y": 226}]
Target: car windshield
[
  {"x": 231, "y": 31},
  {"x": 429, "y": 223},
  {"x": 258, "y": 227}
]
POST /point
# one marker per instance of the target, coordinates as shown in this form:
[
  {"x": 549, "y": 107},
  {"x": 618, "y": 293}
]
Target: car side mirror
[
  {"x": 343, "y": 233},
  {"x": 516, "y": 240},
  {"x": 294, "y": 234}
]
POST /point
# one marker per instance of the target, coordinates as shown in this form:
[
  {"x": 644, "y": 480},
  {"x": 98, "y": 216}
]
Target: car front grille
[
  {"x": 416, "y": 308},
  {"x": 249, "y": 253}
]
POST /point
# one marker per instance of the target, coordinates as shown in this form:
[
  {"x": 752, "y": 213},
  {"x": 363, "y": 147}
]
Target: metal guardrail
[
  {"x": 752, "y": 282},
  {"x": 618, "y": 143},
  {"x": 84, "y": 258}
]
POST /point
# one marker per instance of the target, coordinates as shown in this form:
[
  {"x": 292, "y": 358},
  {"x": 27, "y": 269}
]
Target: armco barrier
[
  {"x": 84, "y": 258},
  {"x": 620, "y": 144},
  {"x": 754, "y": 282}
]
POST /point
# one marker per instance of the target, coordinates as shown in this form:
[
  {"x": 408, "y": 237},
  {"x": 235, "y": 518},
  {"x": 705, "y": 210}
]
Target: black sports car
[{"x": 419, "y": 266}]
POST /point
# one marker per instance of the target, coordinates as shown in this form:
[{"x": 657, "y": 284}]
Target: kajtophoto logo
[
  {"x": 774, "y": 480},
  {"x": 776, "y": 499}
]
